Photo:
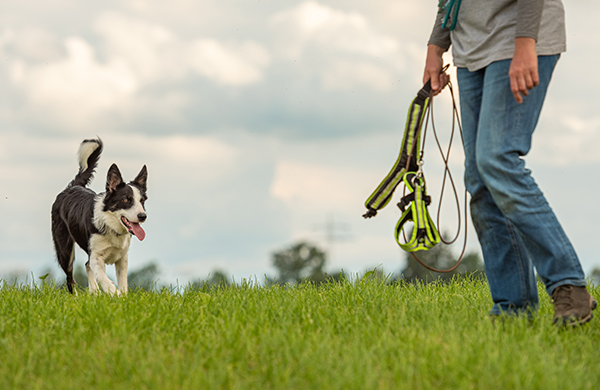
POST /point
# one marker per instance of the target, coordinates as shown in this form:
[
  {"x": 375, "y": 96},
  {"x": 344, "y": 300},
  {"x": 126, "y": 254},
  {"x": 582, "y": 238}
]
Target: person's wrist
[
  {"x": 435, "y": 49},
  {"x": 524, "y": 43}
]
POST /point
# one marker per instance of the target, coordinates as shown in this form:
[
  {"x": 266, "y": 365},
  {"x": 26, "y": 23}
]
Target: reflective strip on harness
[
  {"x": 407, "y": 159},
  {"x": 424, "y": 235}
]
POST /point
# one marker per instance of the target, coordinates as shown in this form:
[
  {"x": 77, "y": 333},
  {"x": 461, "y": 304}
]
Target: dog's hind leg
[
  {"x": 67, "y": 265},
  {"x": 65, "y": 252},
  {"x": 92, "y": 283}
]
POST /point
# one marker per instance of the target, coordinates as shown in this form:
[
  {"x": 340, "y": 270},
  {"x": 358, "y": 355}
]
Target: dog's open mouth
[{"x": 134, "y": 228}]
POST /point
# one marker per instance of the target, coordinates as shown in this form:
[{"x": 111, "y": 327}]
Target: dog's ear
[
  {"x": 141, "y": 179},
  {"x": 113, "y": 178}
]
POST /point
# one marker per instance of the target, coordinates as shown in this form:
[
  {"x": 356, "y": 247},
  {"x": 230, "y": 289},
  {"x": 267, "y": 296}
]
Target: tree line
[
  {"x": 305, "y": 262},
  {"x": 302, "y": 262}
]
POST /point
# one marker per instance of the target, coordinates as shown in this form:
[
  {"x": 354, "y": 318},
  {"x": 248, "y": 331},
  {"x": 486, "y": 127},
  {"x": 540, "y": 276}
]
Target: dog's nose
[{"x": 141, "y": 217}]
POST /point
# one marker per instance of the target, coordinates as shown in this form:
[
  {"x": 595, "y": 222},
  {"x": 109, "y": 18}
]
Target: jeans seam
[{"x": 515, "y": 245}]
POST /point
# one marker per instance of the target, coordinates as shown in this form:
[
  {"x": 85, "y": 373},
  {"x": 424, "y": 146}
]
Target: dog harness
[
  {"x": 424, "y": 235},
  {"x": 407, "y": 159},
  {"x": 407, "y": 169}
]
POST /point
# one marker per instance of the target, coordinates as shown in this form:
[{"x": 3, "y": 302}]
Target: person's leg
[
  {"x": 505, "y": 130},
  {"x": 508, "y": 267}
]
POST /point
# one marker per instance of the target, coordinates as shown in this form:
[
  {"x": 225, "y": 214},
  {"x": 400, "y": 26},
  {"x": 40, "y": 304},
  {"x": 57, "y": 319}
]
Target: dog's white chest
[{"x": 110, "y": 248}]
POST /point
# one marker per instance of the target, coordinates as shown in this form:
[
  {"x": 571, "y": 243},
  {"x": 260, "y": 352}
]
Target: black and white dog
[{"x": 101, "y": 224}]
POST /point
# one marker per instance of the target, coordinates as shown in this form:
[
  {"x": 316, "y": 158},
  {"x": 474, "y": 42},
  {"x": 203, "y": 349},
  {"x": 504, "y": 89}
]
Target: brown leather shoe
[{"x": 573, "y": 305}]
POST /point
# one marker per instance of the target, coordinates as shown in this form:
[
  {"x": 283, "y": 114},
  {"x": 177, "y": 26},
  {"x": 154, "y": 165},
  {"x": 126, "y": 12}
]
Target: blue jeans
[{"x": 516, "y": 227}]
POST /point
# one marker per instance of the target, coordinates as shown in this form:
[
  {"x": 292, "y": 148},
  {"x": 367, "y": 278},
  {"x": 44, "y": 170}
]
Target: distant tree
[
  {"x": 335, "y": 276},
  {"x": 80, "y": 275},
  {"x": 299, "y": 262},
  {"x": 217, "y": 278},
  {"x": 144, "y": 278},
  {"x": 596, "y": 275},
  {"x": 440, "y": 257},
  {"x": 15, "y": 278}
]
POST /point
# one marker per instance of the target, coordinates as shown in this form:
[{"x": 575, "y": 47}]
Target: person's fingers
[
  {"x": 529, "y": 80},
  {"x": 514, "y": 87},
  {"x": 535, "y": 77},
  {"x": 443, "y": 81}
]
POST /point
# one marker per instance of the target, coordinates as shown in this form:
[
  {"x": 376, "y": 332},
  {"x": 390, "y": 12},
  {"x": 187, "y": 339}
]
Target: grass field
[{"x": 349, "y": 335}]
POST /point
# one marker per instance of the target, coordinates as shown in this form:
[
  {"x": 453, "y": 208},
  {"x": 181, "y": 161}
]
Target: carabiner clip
[{"x": 420, "y": 169}]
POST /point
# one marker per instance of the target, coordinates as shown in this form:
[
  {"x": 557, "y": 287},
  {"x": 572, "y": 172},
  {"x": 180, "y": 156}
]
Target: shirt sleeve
[
  {"x": 440, "y": 36},
  {"x": 529, "y": 15}
]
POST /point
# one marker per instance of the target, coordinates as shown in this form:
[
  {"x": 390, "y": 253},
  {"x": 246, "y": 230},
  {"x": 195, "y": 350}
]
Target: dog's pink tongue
[{"x": 138, "y": 231}]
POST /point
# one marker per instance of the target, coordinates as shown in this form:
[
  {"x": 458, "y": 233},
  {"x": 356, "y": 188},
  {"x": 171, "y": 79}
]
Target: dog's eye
[{"x": 127, "y": 200}]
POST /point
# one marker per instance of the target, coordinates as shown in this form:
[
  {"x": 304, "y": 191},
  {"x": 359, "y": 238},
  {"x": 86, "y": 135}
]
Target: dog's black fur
[{"x": 100, "y": 224}]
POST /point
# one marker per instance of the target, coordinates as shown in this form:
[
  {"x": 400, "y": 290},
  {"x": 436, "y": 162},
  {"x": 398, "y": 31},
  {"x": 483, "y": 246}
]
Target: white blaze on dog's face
[{"x": 123, "y": 204}]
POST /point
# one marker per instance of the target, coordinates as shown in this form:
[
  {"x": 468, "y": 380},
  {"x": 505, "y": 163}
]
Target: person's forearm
[
  {"x": 440, "y": 36},
  {"x": 435, "y": 50}
]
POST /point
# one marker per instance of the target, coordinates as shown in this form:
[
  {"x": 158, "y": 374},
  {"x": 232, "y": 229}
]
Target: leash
[
  {"x": 409, "y": 171},
  {"x": 451, "y": 8}
]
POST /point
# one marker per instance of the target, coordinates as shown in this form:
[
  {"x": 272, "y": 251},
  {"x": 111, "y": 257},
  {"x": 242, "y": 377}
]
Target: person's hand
[
  {"x": 523, "y": 70},
  {"x": 433, "y": 69}
]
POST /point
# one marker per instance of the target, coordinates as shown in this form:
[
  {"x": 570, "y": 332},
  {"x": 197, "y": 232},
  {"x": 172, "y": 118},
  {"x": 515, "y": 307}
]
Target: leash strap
[
  {"x": 451, "y": 8},
  {"x": 424, "y": 235},
  {"x": 410, "y": 148}
]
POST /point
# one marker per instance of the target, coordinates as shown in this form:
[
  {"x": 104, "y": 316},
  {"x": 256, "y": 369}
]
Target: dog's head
[{"x": 124, "y": 202}]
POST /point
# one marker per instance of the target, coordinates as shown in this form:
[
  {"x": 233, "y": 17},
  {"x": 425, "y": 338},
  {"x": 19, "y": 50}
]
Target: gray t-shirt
[{"x": 486, "y": 30}]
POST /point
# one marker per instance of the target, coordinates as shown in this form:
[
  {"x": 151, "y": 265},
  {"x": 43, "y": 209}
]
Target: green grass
[{"x": 349, "y": 335}]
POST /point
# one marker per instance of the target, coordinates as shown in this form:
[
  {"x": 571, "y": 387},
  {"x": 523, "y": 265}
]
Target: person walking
[{"x": 505, "y": 52}]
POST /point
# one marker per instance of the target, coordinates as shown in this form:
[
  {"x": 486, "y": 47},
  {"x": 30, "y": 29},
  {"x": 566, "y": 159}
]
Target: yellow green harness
[
  {"x": 424, "y": 235},
  {"x": 407, "y": 169},
  {"x": 407, "y": 159}
]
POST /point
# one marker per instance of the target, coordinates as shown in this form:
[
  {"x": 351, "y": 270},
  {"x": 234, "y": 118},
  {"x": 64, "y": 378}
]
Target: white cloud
[
  {"x": 229, "y": 64},
  {"x": 155, "y": 52},
  {"x": 562, "y": 140},
  {"x": 87, "y": 83},
  {"x": 171, "y": 157},
  {"x": 345, "y": 48},
  {"x": 310, "y": 184},
  {"x": 346, "y": 75},
  {"x": 31, "y": 43},
  {"x": 314, "y": 23},
  {"x": 76, "y": 87},
  {"x": 152, "y": 51}
]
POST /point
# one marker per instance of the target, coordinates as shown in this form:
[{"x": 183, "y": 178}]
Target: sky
[{"x": 262, "y": 123}]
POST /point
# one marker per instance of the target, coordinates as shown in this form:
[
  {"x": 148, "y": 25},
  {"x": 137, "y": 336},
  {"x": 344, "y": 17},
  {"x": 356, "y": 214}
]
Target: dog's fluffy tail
[{"x": 89, "y": 154}]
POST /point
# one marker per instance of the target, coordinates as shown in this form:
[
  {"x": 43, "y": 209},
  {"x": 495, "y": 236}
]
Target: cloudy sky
[{"x": 261, "y": 122}]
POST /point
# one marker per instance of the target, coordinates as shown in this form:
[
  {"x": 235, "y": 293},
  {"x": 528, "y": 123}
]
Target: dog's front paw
[{"x": 114, "y": 290}]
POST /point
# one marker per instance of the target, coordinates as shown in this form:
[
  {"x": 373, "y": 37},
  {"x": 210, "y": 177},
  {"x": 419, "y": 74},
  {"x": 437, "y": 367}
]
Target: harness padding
[{"x": 410, "y": 148}]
